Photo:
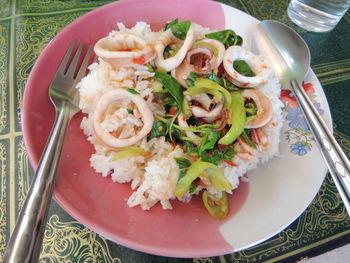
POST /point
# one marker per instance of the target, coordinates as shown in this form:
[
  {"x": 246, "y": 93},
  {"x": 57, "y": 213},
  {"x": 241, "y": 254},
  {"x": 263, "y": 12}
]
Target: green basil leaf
[
  {"x": 158, "y": 129},
  {"x": 170, "y": 24},
  {"x": 183, "y": 164},
  {"x": 227, "y": 37},
  {"x": 215, "y": 156},
  {"x": 209, "y": 141},
  {"x": 172, "y": 85},
  {"x": 243, "y": 68},
  {"x": 179, "y": 30}
]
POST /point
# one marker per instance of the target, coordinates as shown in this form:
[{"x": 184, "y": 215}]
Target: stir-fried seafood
[{"x": 179, "y": 111}]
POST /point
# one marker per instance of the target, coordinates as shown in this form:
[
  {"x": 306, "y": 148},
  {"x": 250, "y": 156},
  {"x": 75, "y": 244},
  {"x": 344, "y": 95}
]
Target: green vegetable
[
  {"x": 227, "y": 37},
  {"x": 128, "y": 152},
  {"x": 193, "y": 186},
  {"x": 216, "y": 176},
  {"x": 196, "y": 90},
  {"x": 183, "y": 164},
  {"x": 208, "y": 45},
  {"x": 157, "y": 86},
  {"x": 169, "y": 52},
  {"x": 215, "y": 156},
  {"x": 130, "y": 111},
  {"x": 209, "y": 141},
  {"x": 211, "y": 85},
  {"x": 132, "y": 91},
  {"x": 172, "y": 85},
  {"x": 247, "y": 139},
  {"x": 174, "y": 88},
  {"x": 202, "y": 128},
  {"x": 179, "y": 29},
  {"x": 149, "y": 67},
  {"x": 158, "y": 129},
  {"x": 186, "y": 110},
  {"x": 217, "y": 207},
  {"x": 192, "y": 77},
  {"x": 250, "y": 108},
  {"x": 170, "y": 24},
  {"x": 251, "y": 111},
  {"x": 237, "y": 119},
  {"x": 180, "y": 141},
  {"x": 243, "y": 68}
]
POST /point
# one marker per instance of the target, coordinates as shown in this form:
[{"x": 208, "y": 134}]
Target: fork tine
[
  {"x": 64, "y": 62},
  {"x": 73, "y": 64},
  {"x": 84, "y": 64}
]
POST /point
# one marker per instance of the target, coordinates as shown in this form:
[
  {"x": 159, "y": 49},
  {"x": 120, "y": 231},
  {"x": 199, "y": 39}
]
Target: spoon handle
[{"x": 336, "y": 160}]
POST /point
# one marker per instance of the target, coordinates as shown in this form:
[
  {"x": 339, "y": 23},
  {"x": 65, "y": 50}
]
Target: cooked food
[{"x": 179, "y": 112}]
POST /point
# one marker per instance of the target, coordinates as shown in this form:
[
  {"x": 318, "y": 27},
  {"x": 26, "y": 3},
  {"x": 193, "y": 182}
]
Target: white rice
[{"x": 153, "y": 178}]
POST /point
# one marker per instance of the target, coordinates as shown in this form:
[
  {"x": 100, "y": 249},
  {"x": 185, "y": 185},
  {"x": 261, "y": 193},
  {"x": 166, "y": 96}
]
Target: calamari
[
  {"x": 167, "y": 38},
  {"x": 257, "y": 65},
  {"x": 124, "y": 50},
  {"x": 201, "y": 59},
  {"x": 263, "y": 105},
  {"x": 106, "y": 101}
]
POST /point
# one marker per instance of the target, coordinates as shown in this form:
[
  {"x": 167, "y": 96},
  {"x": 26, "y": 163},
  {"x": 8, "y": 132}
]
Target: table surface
[{"x": 26, "y": 26}]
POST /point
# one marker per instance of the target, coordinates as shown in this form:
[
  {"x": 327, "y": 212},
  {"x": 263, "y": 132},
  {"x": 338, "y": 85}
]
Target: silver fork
[{"x": 25, "y": 242}]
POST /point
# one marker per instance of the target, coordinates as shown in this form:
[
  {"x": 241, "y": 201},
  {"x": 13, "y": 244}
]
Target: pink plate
[{"x": 100, "y": 204}]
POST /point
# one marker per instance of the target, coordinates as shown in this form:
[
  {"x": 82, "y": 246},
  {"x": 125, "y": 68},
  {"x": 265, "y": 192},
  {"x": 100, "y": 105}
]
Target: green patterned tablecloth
[{"x": 26, "y": 26}]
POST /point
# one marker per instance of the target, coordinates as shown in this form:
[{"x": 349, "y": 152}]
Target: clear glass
[{"x": 317, "y": 15}]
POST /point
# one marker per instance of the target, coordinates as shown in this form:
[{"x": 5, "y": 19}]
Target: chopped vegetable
[
  {"x": 243, "y": 68},
  {"x": 217, "y": 207},
  {"x": 186, "y": 110},
  {"x": 237, "y": 119},
  {"x": 215, "y": 174},
  {"x": 227, "y": 37},
  {"x": 213, "y": 86},
  {"x": 251, "y": 110},
  {"x": 132, "y": 91},
  {"x": 222, "y": 81},
  {"x": 215, "y": 156},
  {"x": 128, "y": 152},
  {"x": 198, "y": 90}
]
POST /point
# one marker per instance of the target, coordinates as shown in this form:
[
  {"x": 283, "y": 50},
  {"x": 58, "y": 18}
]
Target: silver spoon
[{"x": 289, "y": 57}]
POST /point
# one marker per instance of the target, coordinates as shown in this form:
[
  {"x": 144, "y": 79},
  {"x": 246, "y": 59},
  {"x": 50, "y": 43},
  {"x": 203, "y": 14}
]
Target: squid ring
[
  {"x": 263, "y": 105},
  {"x": 124, "y": 50},
  {"x": 105, "y": 101},
  {"x": 164, "y": 40},
  {"x": 256, "y": 64}
]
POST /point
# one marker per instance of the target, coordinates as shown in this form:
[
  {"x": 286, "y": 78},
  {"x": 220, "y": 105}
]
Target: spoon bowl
[
  {"x": 289, "y": 58},
  {"x": 287, "y": 52}
]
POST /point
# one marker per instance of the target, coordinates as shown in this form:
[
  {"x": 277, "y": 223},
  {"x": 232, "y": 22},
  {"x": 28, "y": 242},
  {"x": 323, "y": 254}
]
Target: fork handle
[
  {"x": 336, "y": 160},
  {"x": 25, "y": 243}
]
